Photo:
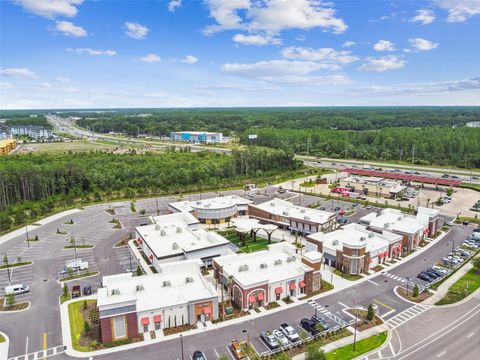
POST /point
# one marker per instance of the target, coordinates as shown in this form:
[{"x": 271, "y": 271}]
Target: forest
[
  {"x": 34, "y": 185},
  {"x": 433, "y": 145},
  {"x": 26, "y": 120},
  {"x": 236, "y": 120}
]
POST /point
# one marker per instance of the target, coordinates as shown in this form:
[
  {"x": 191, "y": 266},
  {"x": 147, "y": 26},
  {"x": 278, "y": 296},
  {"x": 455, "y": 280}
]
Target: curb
[{"x": 4, "y": 347}]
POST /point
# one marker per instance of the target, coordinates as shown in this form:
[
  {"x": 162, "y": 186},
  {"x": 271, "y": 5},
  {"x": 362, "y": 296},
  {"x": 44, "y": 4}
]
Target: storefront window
[{"x": 119, "y": 326}]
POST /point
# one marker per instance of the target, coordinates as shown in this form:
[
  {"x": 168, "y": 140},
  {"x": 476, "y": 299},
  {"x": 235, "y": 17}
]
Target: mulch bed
[
  {"x": 237, "y": 312},
  {"x": 272, "y": 305},
  {"x": 363, "y": 323},
  {"x": 421, "y": 296},
  {"x": 15, "y": 307},
  {"x": 178, "y": 329}
]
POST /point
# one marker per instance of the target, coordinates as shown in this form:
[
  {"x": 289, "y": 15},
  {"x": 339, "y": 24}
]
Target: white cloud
[
  {"x": 6, "y": 85},
  {"x": 136, "y": 30},
  {"x": 459, "y": 10},
  {"x": 62, "y": 79},
  {"x": 19, "y": 73},
  {"x": 70, "y": 29},
  {"x": 92, "y": 52},
  {"x": 381, "y": 64},
  {"x": 348, "y": 44},
  {"x": 384, "y": 45},
  {"x": 189, "y": 59},
  {"x": 273, "y": 15},
  {"x": 51, "y": 8},
  {"x": 422, "y": 44},
  {"x": 150, "y": 58},
  {"x": 257, "y": 39},
  {"x": 173, "y": 5},
  {"x": 423, "y": 16},
  {"x": 325, "y": 55}
]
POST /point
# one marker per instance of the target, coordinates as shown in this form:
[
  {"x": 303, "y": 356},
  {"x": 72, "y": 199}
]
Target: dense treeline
[
  {"x": 433, "y": 145},
  {"x": 32, "y": 185},
  {"x": 38, "y": 121},
  {"x": 162, "y": 122}
]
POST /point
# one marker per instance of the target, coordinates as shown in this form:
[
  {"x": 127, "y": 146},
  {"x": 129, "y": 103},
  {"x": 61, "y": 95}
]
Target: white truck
[{"x": 75, "y": 265}]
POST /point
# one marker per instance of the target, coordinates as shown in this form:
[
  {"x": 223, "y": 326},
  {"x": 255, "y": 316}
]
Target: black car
[
  {"x": 310, "y": 326},
  {"x": 425, "y": 277},
  {"x": 198, "y": 355},
  {"x": 432, "y": 274},
  {"x": 436, "y": 272},
  {"x": 87, "y": 290},
  {"x": 476, "y": 229},
  {"x": 320, "y": 321},
  {"x": 337, "y": 208}
]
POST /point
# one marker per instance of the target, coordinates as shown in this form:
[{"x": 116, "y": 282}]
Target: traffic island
[
  {"x": 462, "y": 288},
  {"x": 78, "y": 276},
  {"x": 413, "y": 295},
  {"x": 78, "y": 247},
  {"x": 8, "y": 304},
  {"x": 363, "y": 321},
  {"x": 15, "y": 265},
  {"x": 361, "y": 347}
]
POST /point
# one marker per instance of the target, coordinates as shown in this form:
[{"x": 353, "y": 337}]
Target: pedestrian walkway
[
  {"x": 320, "y": 309},
  {"x": 406, "y": 315},
  {"x": 41, "y": 354}
]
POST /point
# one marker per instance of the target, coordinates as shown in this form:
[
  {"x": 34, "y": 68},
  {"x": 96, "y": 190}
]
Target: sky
[{"x": 237, "y": 53}]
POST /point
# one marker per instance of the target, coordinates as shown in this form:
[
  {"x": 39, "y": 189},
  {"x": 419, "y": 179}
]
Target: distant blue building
[
  {"x": 197, "y": 137},
  {"x": 33, "y": 131}
]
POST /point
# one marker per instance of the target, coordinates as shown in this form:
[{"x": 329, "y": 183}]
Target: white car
[
  {"x": 442, "y": 270},
  {"x": 16, "y": 289},
  {"x": 282, "y": 339}
]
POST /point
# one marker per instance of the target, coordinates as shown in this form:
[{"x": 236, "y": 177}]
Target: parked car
[
  {"x": 355, "y": 205},
  {"x": 289, "y": 332},
  {"x": 16, "y": 289},
  {"x": 342, "y": 221},
  {"x": 281, "y": 191},
  {"x": 322, "y": 208},
  {"x": 282, "y": 339},
  {"x": 336, "y": 208},
  {"x": 369, "y": 207},
  {"x": 432, "y": 274},
  {"x": 237, "y": 350},
  {"x": 76, "y": 291},
  {"x": 321, "y": 321},
  {"x": 310, "y": 326},
  {"x": 440, "y": 269},
  {"x": 436, "y": 272},
  {"x": 423, "y": 276},
  {"x": 465, "y": 223},
  {"x": 87, "y": 290},
  {"x": 476, "y": 230},
  {"x": 198, "y": 355},
  {"x": 270, "y": 339}
]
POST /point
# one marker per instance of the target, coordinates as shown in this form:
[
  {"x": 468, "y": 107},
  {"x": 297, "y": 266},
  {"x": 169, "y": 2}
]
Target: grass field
[
  {"x": 61, "y": 147},
  {"x": 77, "y": 323},
  {"x": 463, "y": 287},
  {"x": 250, "y": 245},
  {"x": 362, "y": 347},
  {"x": 2, "y": 339}
]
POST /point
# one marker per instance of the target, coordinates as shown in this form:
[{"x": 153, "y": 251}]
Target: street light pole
[
  {"x": 408, "y": 280},
  {"x": 355, "y": 332},
  {"x": 181, "y": 345},
  {"x": 28, "y": 240},
  {"x": 451, "y": 256}
]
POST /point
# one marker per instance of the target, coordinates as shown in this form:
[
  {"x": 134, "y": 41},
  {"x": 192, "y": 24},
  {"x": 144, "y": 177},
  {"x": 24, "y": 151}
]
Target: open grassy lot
[
  {"x": 463, "y": 287},
  {"x": 362, "y": 347},
  {"x": 77, "y": 323},
  {"x": 61, "y": 147}
]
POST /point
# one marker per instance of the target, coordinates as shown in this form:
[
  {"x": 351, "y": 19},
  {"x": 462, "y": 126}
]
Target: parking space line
[{"x": 373, "y": 282}]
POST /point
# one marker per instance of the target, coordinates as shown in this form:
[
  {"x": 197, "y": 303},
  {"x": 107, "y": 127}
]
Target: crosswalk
[
  {"x": 411, "y": 282},
  {"x": 406, "y": 315},
  {"x": 42, "y": 354},
  {"x": 320, "y": 309},
  {"x": 394, "y": 277}
]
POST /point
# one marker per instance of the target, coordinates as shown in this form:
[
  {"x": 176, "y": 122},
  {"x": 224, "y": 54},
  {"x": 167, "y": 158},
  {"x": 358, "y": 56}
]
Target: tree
[
  {"x": 65, "y": 290},
  {"x": 370, "y": 312},
  {"x": 283, "y": 356},
  {"x": 86, "y": 329},
  {"x": 84, "y": 305},
  {"x": 223, "y": 357},
  {"x": 415, "y": 290},
  {"x": 10, "y": 300},
  {"x": 230, "y": 294},
  {"x": 19, "y": 259},
  {"x": 314, "y": 352},
  {"x": 139, "y": 271},
  {"x": 476, "y": 263}
]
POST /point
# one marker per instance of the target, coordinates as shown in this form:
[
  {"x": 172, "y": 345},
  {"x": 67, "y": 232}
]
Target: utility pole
[
  {"x": 5, "y": 260},
  {"x": 156, "y": 205},
  {"x": 408, "y": 280},
  {"x": 451, "y": 256},
  {"x": 355, "y": 332},
  {"x": 181, "y": 345},
  {"x": 28, "y": 240}
]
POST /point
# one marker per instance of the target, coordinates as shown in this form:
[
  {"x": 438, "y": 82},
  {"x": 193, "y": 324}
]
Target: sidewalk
[
  {"x": 349, "y": 340},
  {"x": 45, "y": 221},
  {"x": 443, "y": 288},
  {"x": 4, "y": 347}
]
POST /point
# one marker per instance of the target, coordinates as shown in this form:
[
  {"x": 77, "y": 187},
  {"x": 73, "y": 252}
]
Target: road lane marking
[
  {"x": 373, "y": 282},
  {"x": 26, "y": 346},
  {"x": 441, "y": 354},
  {"x": 378, "y": 302},
  {"x": 470, "y": 335},
  {"x": 345, "y": 306},
  {"x": 44, "y": 345}
]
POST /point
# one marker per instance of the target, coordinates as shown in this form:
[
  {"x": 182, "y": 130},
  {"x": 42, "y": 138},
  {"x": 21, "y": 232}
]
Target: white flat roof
[
  {"x": 395, "y": 220},
  {"x": 212, "y": 203},
  {"x": 181, "y": 217},
  {"x": 356, "y": 236},
  {"x": 313, "y": 256},
  {"x": 278, "y": 263},
  {"x": 155, "y": 294},
  {"x": 287, "y": 209},
  {"x": 171, "y": 236}
]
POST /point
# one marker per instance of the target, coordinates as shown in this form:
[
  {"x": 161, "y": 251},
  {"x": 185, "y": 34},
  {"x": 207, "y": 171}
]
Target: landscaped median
[
  {"x": 463, "y": 287},
  {"x": 78, "y": 276},
  {"x": 361, "y": 347},
  {"x": 17, "y": 264}
]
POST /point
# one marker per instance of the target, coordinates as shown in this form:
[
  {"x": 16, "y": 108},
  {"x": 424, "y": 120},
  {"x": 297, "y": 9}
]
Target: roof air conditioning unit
[
  {"x": 302, "y": 211},
  {"x": 363, "y": 238},
  {"x": 272, "y": 204},
  {"x": 371, "y": 234},
  {"x": 291, "y": 259},
  {"x": 386, "y": 225},
  {"x": 285, "y": 213},
  {"x": 166, "y": 283},
  {"x": 115, "y": 292},
  {"x": 335, "y": 242},
  {"x": 306, "y": 217},
  {"x": 400, "y": 217},
  {"x": 139, "y": 288},
  {"x": 163, "y": 233},
  {"x": 157, "y": 227},
  {"x": 263, "y": 266},
  {"x": 188, "y": 279},
  {"x": 175, "y": 246},
  {"x": 179, "y": 230},
  {"x": 243, "y": 268},
  {"x": 277, "y": 262}
]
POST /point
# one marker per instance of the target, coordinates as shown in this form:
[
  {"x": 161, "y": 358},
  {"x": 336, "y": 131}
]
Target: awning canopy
[
  {"x": 251, "y": 299},
  {"x": 139, "y": 240},
  {"x": 157, "y": 318},
  {"x": 385, "y": 254},
  {"x": 151, "y": 257},
  {"x": 207, "y": 310},
  {"x": 145, "y": 321},
  {"x": 278, "y": 290},
  {"x": 260, "y": 296},
  {"x": 380, "y": 255},
  {"x": 301, "y": 283},
  {"x": 292, "y": 286}
]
